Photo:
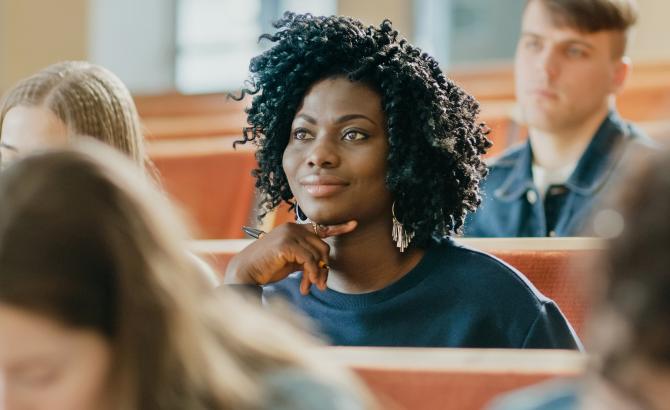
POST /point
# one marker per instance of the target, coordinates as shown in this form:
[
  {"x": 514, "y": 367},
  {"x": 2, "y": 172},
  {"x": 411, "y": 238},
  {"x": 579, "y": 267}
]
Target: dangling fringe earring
[{"x": 401, "y": 237}]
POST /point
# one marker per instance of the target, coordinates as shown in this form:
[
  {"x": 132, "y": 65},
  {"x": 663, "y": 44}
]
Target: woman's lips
[
  {"x": 321, "y": 191},
  {"x": 320, "y": 186}
]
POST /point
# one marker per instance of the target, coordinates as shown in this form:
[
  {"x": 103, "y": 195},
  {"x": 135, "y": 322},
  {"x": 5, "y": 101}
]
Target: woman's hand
[{"x": 288, "y": 248}]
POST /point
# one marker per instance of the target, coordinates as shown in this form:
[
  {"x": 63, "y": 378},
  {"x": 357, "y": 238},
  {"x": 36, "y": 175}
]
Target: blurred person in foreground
[
  {"x": 101, "y": 308},
  {"x": 629, "y": 329}
]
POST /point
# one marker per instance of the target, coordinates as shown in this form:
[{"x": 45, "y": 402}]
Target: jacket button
[
  {"x": 531, "y": 196},
  {"x": 552, "y": 234}
]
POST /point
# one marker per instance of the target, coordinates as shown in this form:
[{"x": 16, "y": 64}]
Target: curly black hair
[{"x": 436, "y": 142}]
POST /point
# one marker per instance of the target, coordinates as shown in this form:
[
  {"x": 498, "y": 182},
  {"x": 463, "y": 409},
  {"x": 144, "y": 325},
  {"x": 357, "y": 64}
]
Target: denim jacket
[{"x": 512, "y": 205}]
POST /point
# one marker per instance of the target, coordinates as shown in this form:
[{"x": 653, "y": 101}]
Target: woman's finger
[
  {"x": 310, "y": 269},
  {"x": 326, "y": 231},
  {"x": 313, "y": 247},
  {"x": 323, "y": 279},
  {"x": 304, "y": 285},
  {"x": 321, "y": 248}
]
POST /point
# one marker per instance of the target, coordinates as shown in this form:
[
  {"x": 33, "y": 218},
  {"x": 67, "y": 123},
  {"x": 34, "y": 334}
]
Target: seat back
[
  {"x": 458, "y": 379},
  {"x": 211, "y": 182}
]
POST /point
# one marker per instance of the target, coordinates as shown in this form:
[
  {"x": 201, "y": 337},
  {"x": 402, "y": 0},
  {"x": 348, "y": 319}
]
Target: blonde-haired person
[
  {"x": 101, "y": 308},
  {"x": 65, "y": 99}
]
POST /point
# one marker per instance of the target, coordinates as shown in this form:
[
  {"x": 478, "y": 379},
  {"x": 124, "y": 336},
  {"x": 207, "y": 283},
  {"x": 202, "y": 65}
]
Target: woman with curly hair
[{"x": 365, "y": 136}]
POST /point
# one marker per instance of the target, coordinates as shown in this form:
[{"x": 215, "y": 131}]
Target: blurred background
[
  {"x": 181, "y": 57},
  {"x": 196, "y": 46}
]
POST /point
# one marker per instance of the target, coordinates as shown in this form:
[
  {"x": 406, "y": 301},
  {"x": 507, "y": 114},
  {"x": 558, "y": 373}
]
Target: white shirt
[{"x": 544, "y": 178}]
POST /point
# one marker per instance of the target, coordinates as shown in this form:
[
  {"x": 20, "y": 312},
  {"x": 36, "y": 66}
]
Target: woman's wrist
[{"x": 236, "y": 276}]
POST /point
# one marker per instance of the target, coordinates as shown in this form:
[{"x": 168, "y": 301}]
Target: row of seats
[
  {"x": 210, "y": 181},
  {"x": 465, "y": 379}
]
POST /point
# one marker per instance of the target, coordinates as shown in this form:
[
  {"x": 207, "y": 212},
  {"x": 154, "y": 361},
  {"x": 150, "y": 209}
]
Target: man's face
[{"x": 564, "y": 77}]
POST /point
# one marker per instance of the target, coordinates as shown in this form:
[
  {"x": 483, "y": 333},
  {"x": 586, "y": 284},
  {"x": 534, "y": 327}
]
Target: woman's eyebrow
[
  {"x": 307, "y": 118},
  {"x": 342, "y": 119},
  {"x": 350, "y": 117},
  {"x": 9, "y": 147}
]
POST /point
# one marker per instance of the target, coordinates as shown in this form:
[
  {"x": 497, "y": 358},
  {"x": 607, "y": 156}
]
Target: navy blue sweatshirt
[{"x": 454, "y": 297}]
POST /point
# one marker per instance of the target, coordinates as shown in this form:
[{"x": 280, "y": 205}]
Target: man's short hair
[{"x": 590, "y": 16}]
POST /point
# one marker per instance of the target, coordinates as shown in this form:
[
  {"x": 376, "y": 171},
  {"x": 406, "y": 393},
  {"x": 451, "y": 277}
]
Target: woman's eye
[
  {"x": 301, "y": 134},
  {"x": 354, "y": 136}
]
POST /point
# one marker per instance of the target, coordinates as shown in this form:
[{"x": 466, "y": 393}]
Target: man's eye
[
  {"x": 354, "y": 135},
  {"x": 576, "y": 52},
  {"x": 533, "y": 44}
]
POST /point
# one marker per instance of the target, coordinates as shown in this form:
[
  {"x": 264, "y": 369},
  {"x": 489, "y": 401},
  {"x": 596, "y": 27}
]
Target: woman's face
[
  {"x": 44, "y": 365},
  {"x": 30, "y": 128},
  {"x": 336, "y": 158}
]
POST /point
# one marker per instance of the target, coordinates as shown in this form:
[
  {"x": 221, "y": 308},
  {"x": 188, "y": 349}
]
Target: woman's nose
[{"x": 323, "y": 153}]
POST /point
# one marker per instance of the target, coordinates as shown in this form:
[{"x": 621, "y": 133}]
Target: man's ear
[{"x": 622, "y": 69}]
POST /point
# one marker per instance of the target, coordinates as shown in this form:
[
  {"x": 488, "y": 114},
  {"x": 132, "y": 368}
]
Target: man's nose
[{"x": 549, "y": 63}]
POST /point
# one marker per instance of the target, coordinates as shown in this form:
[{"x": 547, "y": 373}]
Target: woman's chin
[
  {"x": 329, "y": 221},
  {"x": 328, "y": 218}
]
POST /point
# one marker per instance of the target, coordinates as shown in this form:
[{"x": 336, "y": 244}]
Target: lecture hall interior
[{"x": 185, "y": 62}]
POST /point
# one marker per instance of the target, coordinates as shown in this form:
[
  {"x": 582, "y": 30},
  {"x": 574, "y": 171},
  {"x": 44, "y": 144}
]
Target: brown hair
[
  {"x": 89, "y": 99},
  {"x": 590, "y": 16},
  {"x": 115, "y": 263},
  {"x": 631, "y": 321}
]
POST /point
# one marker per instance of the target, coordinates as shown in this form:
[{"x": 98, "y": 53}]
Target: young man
[{"x": 570, "y": 63}]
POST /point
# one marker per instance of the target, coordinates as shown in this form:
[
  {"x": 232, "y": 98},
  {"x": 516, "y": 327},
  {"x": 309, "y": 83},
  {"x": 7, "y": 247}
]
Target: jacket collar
[
  {"x": 520, "y": 178},
  {"x": 593, "y": 168}
]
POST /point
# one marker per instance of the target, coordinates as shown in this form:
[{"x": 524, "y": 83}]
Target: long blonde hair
[
  {"x": 89, "y": 99},
  {"x": 115, "y": 263}
]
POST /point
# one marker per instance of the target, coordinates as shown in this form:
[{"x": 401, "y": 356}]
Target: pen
[
  {"x": 258, "y": 234},
  {"x": 253, "y": 232}
]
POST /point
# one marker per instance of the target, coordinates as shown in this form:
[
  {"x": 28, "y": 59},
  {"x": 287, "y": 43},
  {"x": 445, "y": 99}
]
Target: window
[
  {"x": 468, "y": 31},
  {"x": 217, "y": 38}
]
